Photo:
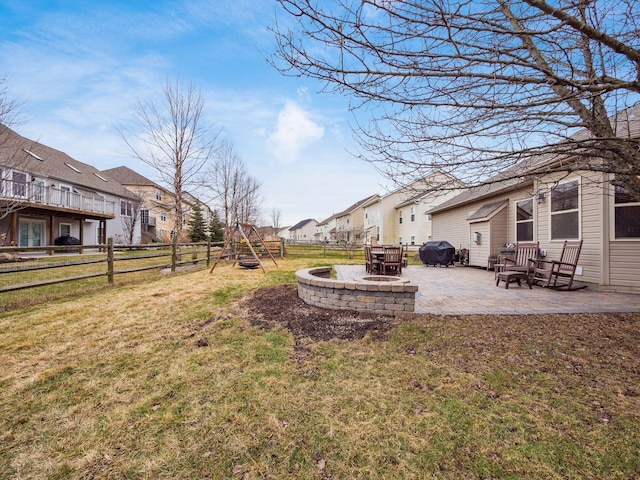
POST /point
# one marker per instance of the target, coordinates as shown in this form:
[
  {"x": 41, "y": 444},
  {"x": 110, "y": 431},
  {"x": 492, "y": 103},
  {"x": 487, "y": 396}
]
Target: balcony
[{"x": 34, "y": 194}]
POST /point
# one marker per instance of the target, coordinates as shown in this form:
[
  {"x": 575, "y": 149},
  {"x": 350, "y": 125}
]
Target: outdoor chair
[
  {"x": 558, "y": 274},
  {"x": 372, "y": 263},
  {"x": 526, "y": 253},
  {"x": 391, "y": 263}
]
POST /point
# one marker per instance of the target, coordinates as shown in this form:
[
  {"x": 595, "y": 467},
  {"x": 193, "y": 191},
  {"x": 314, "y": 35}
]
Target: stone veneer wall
[{"x": 383, "y": 298}]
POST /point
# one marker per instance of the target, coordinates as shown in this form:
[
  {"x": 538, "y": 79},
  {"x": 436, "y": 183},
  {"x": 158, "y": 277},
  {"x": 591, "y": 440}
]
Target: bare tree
[
  {"x": 475, "y": 87},
  {"x": 350, "y": 240},
  {"x": 174, "y": 139},
  {"x": 14, "y": 190},
  {"x": 236, "y": 192},
  {"x": 276, "y": 215},
  {"x": 131, "y": 221}
]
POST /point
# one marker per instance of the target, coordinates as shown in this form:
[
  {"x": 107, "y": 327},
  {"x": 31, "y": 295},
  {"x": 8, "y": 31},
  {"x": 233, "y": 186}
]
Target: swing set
[{"x": 245, "y": 255}]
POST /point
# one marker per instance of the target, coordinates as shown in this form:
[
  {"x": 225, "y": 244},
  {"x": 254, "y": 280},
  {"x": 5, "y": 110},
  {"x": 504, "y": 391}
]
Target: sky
[{"x": 80, "y": 67}]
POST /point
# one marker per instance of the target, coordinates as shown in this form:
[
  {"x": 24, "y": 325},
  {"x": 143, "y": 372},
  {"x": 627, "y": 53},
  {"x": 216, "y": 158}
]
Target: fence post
[
  {"x": 208, "y": 252},
  {"x": 282, "y": 248},
  {"x": 110, "y": 269},
  {"x": 174, "y": 253}
]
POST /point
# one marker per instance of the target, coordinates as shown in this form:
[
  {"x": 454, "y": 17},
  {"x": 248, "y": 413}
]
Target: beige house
[
  {"x": 402, "y": 211},
  {"x": 350, "y": 223},
  {"x": 550, "y": 209},
  {"x": 157, "y": 204}
]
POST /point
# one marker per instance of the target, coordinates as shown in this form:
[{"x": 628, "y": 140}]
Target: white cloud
[{"x": 294, "y": 132}]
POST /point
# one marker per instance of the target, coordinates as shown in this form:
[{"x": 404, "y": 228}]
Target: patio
[{"x": 465, "y": 290}]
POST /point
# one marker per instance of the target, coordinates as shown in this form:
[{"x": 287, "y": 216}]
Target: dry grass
[{"x": 167, "y": 380}]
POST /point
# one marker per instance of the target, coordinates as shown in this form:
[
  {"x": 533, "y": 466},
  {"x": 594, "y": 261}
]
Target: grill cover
[
  {"x": 437, "y": 253},
  {"x": 66, "y": 241}
]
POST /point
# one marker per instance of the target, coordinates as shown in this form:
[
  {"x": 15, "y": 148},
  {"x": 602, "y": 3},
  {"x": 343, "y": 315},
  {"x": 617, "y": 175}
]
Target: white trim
[
  {"x": 534, "y": 212},
  {"x": 578, "y": 210}
]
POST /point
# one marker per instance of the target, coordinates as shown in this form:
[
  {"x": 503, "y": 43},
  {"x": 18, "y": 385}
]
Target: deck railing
[{"x": 63, "y": 197}]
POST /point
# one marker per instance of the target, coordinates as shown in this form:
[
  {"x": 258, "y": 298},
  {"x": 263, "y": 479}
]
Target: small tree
[
  {"x": 350, "y": 240},
  {"x": 130, "y": 222},
  {"x": 216, "y": 228},
  {"x": 197, "y": 226}
]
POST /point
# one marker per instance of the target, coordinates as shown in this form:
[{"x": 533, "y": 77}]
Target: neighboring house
[
  {"x": 549, "y": 209},
  {"x": 350, "y": 224},
  {"x": 372, "y": 212},
  {"x": 47, "y": 194},
  {"x": 326, "y": 230},
  {"x": 303, "y": 231},
  {"x": 283, "y": 233},
  {"x": 402, "y": 211},
  {"x": 157, "y": 205}
]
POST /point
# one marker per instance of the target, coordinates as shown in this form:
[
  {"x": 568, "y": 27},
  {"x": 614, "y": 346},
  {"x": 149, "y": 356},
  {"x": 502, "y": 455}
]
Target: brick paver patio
[{"x": 466, "y": 290}]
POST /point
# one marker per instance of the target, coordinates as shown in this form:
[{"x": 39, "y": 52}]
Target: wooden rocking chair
[
  {"x": 559, "y": 274},
  {"x": 525, "y": 255}
]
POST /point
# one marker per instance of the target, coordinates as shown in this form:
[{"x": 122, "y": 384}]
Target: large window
[
  {"x": 627, "y": 215},
  {"x": 413, "y": 214},
  {"x": 400, "y": 217},
  {"x": 565, "y": 211},
  {"x": 524, "y": 220}
]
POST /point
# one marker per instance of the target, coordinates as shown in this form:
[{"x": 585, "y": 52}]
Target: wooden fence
[{"x": 104, "y": 261}]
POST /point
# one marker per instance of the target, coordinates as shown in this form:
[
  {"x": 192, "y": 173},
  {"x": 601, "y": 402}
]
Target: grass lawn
[{"x": 118, "y": 383}]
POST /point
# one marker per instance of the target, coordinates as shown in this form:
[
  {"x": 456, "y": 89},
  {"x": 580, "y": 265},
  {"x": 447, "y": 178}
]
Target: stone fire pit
[{"x": 379, "y": 294}]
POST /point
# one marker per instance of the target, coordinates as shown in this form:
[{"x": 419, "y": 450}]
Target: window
[
  {"x": 163, "y": 217},
  {"x": 413, "y": 239},
  {"x": 565, "y": 211},
  {"x": 144, "y": 216},
  {"x": 19, "y": 184},
  {"x": 65, "y": 229},
  {"x": 524, "y": 220},
  {"x": 400, "y": 240},
  {"x": 158, "y": 195},
  {"x": 400, "y": 217},
  {"x": 627, "y": 215},
  {"x": 413, "y": 214},
  {"x": 126, "y": 208}
]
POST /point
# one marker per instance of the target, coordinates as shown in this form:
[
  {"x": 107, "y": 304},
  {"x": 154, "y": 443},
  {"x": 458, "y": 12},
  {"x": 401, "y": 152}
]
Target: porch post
[
  {"x": 52, "y": 235},
  {"x": 13, "y": 231},
  {"x": 81, "y": 234}
]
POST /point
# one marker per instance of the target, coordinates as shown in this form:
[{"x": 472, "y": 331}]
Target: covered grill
[{"x": 437, "y": 253}]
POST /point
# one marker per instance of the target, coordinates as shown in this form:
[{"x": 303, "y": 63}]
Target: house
[
  {"x": 350, "y": 223},
  {"x": 401, "y": 213},
  {"x": 326, "y": 230},
  {"x": 372, "y": 212},
  {"x": 303, "y": 231},
  {"x": 156, "y": 205},
  {"x": 550, "y": 208},
  {"x": 45, "y": 194}
]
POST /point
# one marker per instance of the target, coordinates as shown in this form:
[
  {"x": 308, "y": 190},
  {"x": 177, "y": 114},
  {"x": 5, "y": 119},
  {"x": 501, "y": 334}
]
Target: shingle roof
[
  {"x": 488, "y": 210},
  {"x": 126, "y": 176},
  {"x": 355, "y": 206},
  {"x": 301, "y": 224},
  {"x": 34, "y": 157}
]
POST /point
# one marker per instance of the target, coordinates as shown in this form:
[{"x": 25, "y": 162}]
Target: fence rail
[{"x": 106, "y": 255}]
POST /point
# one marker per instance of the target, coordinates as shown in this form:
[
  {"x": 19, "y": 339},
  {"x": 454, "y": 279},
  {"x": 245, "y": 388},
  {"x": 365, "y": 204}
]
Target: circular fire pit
[
  {"x": 381, "y": 278},
  {"x": 380, "y": 294}
]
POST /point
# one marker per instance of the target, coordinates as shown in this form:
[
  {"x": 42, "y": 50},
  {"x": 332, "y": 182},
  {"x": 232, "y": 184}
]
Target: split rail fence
[{"x": 35, "y": 266}]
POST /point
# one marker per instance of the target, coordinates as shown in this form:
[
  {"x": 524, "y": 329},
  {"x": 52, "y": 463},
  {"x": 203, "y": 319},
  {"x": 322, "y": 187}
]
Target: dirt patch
[{"x": 281, "y": 305}]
